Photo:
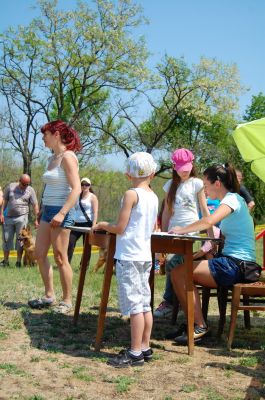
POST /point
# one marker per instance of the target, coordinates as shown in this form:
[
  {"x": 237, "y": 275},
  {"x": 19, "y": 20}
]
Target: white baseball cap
[
  {"x": 87, "y": 180},
  {"x": 141, "y": 165}
]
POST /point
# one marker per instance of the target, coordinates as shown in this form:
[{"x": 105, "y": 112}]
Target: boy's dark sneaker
[
  {"x": 173, "y": 334},
  {"x": 18, "y": 264},
  {"x": 199, "y": 332},
  {"x": 4, "y": 263},
  {"x": 125, "y": 359},
  {"x": 148, "y": 355}
]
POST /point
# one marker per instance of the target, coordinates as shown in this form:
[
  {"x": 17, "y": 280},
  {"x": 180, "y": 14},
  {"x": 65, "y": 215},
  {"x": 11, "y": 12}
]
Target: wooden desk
[
  {"x": 100, "y": 239},
  {"x": 160, "y": 243}
]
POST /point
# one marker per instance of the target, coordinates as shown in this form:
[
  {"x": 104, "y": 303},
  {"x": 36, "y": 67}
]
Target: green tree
[
  {"x": 66, "y": 65},
  {"x": 20, "y": 51},
  {"x": 256, "y": 109},
  {"x": 189, "y": 106}
]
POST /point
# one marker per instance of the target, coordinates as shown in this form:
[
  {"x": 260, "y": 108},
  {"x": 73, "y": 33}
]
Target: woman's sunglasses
[{"x": 85, "y": 184}]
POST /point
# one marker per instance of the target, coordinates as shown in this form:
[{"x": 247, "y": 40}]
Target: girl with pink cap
[{"x": 185, "y": 197}]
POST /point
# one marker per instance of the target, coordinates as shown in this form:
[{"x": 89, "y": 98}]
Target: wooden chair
[
  {"x": 246, "y": 297},
  {"x": 206, "y": 293},
  {"x": 223, "y": 295}
]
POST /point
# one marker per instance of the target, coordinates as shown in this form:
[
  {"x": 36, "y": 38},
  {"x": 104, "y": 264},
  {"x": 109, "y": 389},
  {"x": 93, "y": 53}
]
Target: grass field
[{"x": 44, "y": 356}]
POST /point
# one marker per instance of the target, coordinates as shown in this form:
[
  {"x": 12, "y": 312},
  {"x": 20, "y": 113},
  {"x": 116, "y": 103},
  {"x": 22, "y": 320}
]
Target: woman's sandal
[
  {"x": 63, "y": 308},
  {"x": 38, "y": 304}
]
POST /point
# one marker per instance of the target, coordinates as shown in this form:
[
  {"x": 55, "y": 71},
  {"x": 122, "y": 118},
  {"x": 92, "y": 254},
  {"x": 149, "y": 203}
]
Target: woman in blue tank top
[{"x": 237, "y": 227}]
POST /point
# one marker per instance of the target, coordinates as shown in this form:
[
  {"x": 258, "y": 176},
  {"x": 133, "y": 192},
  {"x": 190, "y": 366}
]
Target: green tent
[{"x": 250, "y": 140}]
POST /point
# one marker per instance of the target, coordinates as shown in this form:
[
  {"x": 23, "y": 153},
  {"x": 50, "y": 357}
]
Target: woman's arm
[
  {"x": 165, "y": 217},
  {"x": 130, "y": 199},
  {"x": 94, "y": 203},
  {"x": 1, "y": 197},
  {"x": 203, "y": 203},
  {"x": 204, "y": 209},
  {"x": 205, "y": 222},
  {"x": 2, "y": 209},
  {"x": 4, "y": 204}
]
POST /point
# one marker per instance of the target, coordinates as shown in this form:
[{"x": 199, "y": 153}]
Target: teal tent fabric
[{"x": 250, "y": 140}]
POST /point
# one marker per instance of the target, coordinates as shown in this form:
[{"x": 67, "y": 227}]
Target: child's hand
[
  {"x": 100, "y": 226},
  {"x": 177, "y": 230}
]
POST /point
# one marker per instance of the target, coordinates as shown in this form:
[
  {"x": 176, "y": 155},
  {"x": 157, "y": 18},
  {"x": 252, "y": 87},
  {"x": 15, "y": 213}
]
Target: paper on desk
[
  {"x": 185, "y": 236},
  {"x": 79, "y": 228}
]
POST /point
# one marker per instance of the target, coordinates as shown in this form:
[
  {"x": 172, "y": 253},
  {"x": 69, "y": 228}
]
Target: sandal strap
[
  {"x": 48, "y": 300},
  {"x": 40, "y": 302},
  {"x": 63, "y": 304},
  {"x": 63, "y": 308}
]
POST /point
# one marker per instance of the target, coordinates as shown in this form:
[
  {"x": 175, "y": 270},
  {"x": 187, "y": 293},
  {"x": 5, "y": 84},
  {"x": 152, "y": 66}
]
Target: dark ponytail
[{"x": 225, "y": 173}]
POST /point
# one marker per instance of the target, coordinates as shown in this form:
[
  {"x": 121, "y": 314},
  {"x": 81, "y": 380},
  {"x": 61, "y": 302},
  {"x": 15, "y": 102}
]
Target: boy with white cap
[{"x": 136, "y": 222}]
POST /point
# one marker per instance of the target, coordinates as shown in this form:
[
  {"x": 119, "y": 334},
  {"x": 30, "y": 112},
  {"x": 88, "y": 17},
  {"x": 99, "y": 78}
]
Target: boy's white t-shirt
[
  {"x": 186, "y": 207},
  {"x": 135, "y": 242}
]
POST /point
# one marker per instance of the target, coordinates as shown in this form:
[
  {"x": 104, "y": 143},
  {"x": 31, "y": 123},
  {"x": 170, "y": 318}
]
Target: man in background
[
  {"x": 14, "y": 215},
  {"x": 244, "y": 192}
]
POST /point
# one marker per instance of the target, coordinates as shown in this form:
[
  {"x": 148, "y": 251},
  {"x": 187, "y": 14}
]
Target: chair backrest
[{"x": 261, "y": 235}]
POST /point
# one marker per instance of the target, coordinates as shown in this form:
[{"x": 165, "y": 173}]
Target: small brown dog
[
  {"x": 102, "y": 255},
  {"x": 28, "y": 242}
]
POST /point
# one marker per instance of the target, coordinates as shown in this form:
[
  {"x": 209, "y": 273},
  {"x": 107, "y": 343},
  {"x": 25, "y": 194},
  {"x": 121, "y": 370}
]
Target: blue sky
[{"x": 232, "y": 31}]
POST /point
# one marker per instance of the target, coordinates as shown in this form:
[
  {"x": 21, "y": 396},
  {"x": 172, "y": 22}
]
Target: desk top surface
[
  {"x": 155, "y": 234},
  {"x": 186, "y": 237},
  {"x": 85, "y": 229},
  {"x": 79, "y": 228}
]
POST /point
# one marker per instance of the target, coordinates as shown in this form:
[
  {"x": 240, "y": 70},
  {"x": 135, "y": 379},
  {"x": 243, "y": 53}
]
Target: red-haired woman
[{"x": 62, "y": 188}]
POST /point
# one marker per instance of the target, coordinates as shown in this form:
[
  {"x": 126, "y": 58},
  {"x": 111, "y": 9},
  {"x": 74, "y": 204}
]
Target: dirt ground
[{"x": 43, "y": 356}]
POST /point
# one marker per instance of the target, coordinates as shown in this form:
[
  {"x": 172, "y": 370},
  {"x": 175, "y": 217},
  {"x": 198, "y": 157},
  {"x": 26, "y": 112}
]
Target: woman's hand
[
  {"x": 38, "y": 218},
  {"x": 2, "y": 219},
  {"x": 57, "y": 220}
]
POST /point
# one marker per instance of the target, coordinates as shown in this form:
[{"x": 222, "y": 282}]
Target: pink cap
[{"x": 182, "y": 160}]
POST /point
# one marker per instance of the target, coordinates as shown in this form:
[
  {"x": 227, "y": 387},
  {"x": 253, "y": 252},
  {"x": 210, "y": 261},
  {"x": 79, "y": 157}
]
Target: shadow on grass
[
  {"x": 162, "y": 327},
  {"x": 253, "y": 366},
  {"x": 56, "y": 333},
  {"x": 13, "y": 305},
  {"x": 246, "y": 358}
]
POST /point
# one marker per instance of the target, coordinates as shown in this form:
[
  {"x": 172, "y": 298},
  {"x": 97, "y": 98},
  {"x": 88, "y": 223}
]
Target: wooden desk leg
[
  {"x": 190, "y": 295},
  {"x": 105, "y": 290},
  {"x": 152, "y": 281},
  {"x": 84, "y": 263}
]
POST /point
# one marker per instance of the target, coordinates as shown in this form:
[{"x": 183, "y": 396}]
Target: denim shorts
[
  {"x": 48, "y": 212},
  {"x": 173, "y": 260},
  {"x": 224, "y": 271}
]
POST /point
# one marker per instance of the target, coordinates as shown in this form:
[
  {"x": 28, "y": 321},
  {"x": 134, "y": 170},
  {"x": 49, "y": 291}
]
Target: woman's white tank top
[
  {"x": 87, "y": 206},
  {"x": 57, "y": 188}
]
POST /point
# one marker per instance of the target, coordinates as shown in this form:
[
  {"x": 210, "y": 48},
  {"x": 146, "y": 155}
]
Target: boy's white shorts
[{"x": 133, "y": 286}]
